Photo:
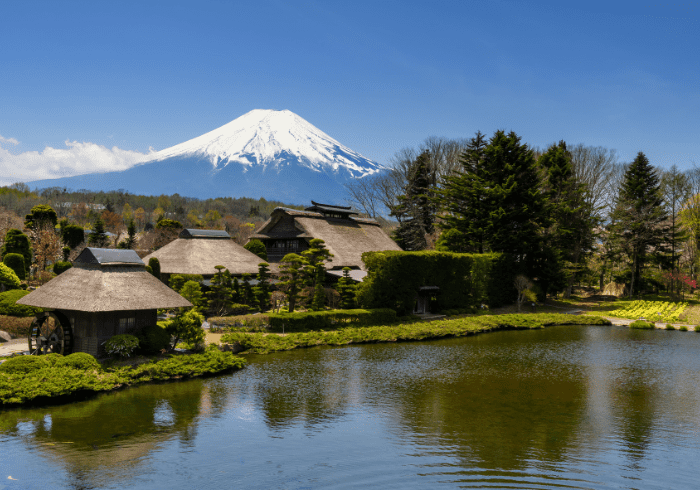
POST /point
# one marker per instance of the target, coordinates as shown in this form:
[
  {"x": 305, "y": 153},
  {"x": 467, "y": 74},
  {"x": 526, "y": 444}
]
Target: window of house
[{"x": 127, "y": 324}]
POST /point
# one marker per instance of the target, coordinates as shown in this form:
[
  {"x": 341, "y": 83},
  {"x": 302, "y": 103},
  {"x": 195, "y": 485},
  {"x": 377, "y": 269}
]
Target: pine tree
[
  {"x": 219, "y": 294},
  {"x": 262, "y": 290},
  {"x": 640, "y": 215},
  {"x": 98, "y": 236},
  {"x": 291, "y": 273},
  {"x": 464, "y": 202},
  {"x": 346, "y": 289},
  {"x": 316, "y": 255},
  {"x": 319, "y": 300},
  {"x": 417, "y": 208}
]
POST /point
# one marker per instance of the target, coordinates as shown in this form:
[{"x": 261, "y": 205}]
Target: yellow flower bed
[{"x": 655, "y": 311}]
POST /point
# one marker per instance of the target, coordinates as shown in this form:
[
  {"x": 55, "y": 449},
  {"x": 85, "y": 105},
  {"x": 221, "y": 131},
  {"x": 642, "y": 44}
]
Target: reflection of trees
[{"x": 103, "y": 437}]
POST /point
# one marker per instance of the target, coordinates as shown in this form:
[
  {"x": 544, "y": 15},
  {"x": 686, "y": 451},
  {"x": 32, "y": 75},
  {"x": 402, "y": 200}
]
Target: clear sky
[{"x": 99, "y": 83}]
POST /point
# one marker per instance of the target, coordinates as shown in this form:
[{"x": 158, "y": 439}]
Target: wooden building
[
  {"x": 346, "y": 236},
  {"x": 107, "y": 292},
  {"x": 200, "y": 251}
]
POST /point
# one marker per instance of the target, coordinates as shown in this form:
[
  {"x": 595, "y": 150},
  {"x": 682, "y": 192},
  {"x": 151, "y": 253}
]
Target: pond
[{"x": 563, "y": 407}]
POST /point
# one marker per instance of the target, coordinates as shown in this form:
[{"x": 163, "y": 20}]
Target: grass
[
  {"x": 49, "y": 380},
  {"x": 260, "y": 343}
]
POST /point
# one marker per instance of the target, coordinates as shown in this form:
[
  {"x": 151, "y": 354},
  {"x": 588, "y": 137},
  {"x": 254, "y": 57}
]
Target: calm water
[{"x": 565, "y": 407}]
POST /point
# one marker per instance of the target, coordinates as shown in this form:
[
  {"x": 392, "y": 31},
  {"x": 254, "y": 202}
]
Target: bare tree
[{"x": 521, "y": 283}]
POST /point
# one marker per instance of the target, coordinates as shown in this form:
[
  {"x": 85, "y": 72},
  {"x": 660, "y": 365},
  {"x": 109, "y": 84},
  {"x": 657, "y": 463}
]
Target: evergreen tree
[
  {"x": 570, "y": 234},
  {"x": 154, "y": 264},
  {"x": 41, "y": 215},
  {"x": 98, "y": 237},
  {"x": 316, "y": 255},
  {"x": 464, "y": 202},
  {"x": 16, "y": 263},
  {"x": 72, "y": 235},
  {"x": 219, "y": 294},
  {"x": 291, "y": 273},
  {"x": 346, "y": 288},
  {"x": 247, "y": 291},
  {"x": 192, "y": 292},
  {"x": 236, "y": 292},
  {"x": 262, "y": 290},
  {"x": 18, "y": 243},
  {"x": 257, "y": 247},
  {"x": 416, "y": 209},
  {"x": 131, "y": 234},
  {"x": 640, "y": 216},
  {"x": 319, "y": 300}
]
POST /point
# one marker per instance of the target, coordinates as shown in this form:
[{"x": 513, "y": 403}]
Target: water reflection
[{"x": 582, "y": 407}]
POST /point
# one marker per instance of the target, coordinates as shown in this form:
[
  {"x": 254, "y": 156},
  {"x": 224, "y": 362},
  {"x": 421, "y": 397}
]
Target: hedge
[
  {"x": 16, "y": 262},
  {"x": 8, "y": 306},
  {"x": 330, "y": 319},
  {"x": 465, "y": 280},
  {"x": 61, "y": 266}
]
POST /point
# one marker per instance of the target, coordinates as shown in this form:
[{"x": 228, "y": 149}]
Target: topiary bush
[
  {"x": 79, "y": 360},
  {"x": 642, "y": 325},
  {"x": 8, "y": 278},
  {"x": 10, "y": 308},
  {"x": 121, "y": 345},
  {"x": 61, "y": 266},
  {"x": 16, "y": 262},
  {"x": 152, "y": 340},
  {"x": 154, "y": 264},
  {"x": 257, "y": 247},
  {"x": 23, "y": 364}
]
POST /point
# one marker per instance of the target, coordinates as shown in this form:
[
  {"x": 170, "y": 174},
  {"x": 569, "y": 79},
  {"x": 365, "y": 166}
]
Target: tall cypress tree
[{"x": 640, "y": 215}]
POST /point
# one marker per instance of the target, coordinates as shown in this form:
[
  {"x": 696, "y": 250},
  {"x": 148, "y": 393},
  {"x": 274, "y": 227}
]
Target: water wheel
[{"x": 50, "y": 333}]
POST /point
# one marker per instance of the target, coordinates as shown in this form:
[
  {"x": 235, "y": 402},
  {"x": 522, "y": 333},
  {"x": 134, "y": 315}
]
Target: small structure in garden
[
  {"x": 198, "y": 252},
  {"x": 424, "y": 297},
  {"x": 345, "y": 235},
  {"x": 107, "y": 292}
]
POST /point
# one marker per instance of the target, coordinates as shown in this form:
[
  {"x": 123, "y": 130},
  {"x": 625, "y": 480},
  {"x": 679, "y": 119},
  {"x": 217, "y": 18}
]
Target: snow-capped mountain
[{"x": 264, "y": 153}]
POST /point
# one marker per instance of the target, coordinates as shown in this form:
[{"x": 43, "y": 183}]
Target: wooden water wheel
[{"x": 51, "y": 333}]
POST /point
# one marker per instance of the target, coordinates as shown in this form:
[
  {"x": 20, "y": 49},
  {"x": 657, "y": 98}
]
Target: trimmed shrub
[
  {"x": 61, "y": 266},
  {"x": 15, "y": 262},
  {"x": 683, "y": 328},
  {"x": 178, "y": 280},
  {"x": 670, "y": 327},
  {"x": 257, "y": 247},
  {"x": 23, "y": 364},
  {"x": 154, "y": 264},
  {"x": 121, "y": 345},
  {"x": 642, "y": 325},
  {"x": 79, "y": 360},
  {"x": 393, "y": 279},
  {"x": 331, "y": 319},
  {"x": 10, "y": 308},
  {"x": 188, "y": 328},
  {"x": 153, "y": 339},
  {"x": 8, "y": 278}
]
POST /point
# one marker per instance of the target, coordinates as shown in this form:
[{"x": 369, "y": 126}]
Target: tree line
[{"x": 566, "y": 214}]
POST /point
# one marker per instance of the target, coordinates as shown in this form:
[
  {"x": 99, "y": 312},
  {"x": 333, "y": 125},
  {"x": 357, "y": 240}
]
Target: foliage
[
  {"x": 154, "y": 264},
  {"x": 121, "y": 345},
  {"x": 220, "y": 292},
  {"x": 44, "y": 380},
  {"x": 23, "y": 364},
  {"x": 670, "y": 327},
  {"x": 260, "y": 343},
  {"x": 642, "y": 325},
  {"x": 72, "y": 235},
  {"x": 347, "y": 288},
  {"x": 312, "y": 258},
  {"x": 61, "y": 266},
  {"x": 170, "y": 224},
  {"x": 8, "y": 278},
  {"x": 152, "y": 339},
  {"x": 258, "y": 323},
  {"x": 15, "y": 262},
  {"x": 291, "y": 277},
  {"x": 98, "y": 236},
  {"x": 187, "y": 327},
  {"x": 262, "y": 290},
  {"x": 393, "y": 279},
  {"x": 319, "y": 300},
  {"x": 18, "y": 242},
  {"x": 16, "y": 326},
  {"x": 79, "y": 360},
  {"x": 178, "y": 280},
  {"x": 658, "y": 311},
  {"x": 330, "y": 319},
  {"x": 257, "y": 247},
  {"x": 683, "y": 328},
  {"x": 192, "y": 292},
  {"x": 41, "y": 215}
]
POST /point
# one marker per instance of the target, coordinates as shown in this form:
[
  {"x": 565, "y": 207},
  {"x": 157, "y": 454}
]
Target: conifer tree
[
  {"x": 316, "y": 255},
  {"x": 98, "y": 236},
  {"x": 640, "y": 216},
  {"x": 18, "y": 243},
  {"x": 319, "y": 300},
  {"x": 262, "y": 290},
  {"x": 219, "y": 294},
  {"x": 291, "y": 274},
  {"x": 346, "y": 289}
]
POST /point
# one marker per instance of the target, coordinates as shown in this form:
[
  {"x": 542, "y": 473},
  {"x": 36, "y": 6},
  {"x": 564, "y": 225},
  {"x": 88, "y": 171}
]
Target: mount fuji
[{"x": 264, "y": 153}]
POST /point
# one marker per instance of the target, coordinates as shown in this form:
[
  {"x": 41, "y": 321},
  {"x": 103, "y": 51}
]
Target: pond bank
[{"x": 262, "y": 343}]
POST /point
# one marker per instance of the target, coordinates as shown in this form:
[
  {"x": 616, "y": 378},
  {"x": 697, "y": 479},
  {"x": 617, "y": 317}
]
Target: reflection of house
[
  {"x": 107, "y": 292},
  {"x": 200, "y": 251},
  {"x": 346, "y": 236}
]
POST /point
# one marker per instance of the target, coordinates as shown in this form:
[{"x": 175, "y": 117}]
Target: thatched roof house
[
  {"x": 106, "y": 292},
  {"x": 346, "y": 236},
  {"x": 200, "y": 251}
]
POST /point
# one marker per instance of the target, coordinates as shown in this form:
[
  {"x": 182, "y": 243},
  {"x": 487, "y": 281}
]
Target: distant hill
[{"x": 276, "y": 155}]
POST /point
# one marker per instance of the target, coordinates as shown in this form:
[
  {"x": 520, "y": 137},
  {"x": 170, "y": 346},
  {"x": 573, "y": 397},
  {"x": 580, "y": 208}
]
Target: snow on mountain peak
[{"x": 269, "y": 137}]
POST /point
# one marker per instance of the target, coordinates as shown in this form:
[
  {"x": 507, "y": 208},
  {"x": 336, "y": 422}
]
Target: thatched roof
[
  {"x": 197, "y": 233},
  {"x": 201, "y": 254},
  {"x": 347, "y": 238},
  {"x": 98, "y": 282}
]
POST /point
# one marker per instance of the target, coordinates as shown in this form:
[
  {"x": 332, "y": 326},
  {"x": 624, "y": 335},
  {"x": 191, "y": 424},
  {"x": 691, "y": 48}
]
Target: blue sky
[{"x": 114, "y": 79}]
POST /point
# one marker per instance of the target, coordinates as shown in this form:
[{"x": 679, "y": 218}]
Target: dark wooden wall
[{"x": 90, "y": 330}]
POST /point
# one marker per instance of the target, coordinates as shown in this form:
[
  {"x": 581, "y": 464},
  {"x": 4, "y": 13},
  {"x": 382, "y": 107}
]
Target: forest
[{"x": 568, "y": 214}]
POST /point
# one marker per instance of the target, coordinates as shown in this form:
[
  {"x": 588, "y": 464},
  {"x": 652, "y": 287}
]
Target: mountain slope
[{"x": 270, "y": 154}]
